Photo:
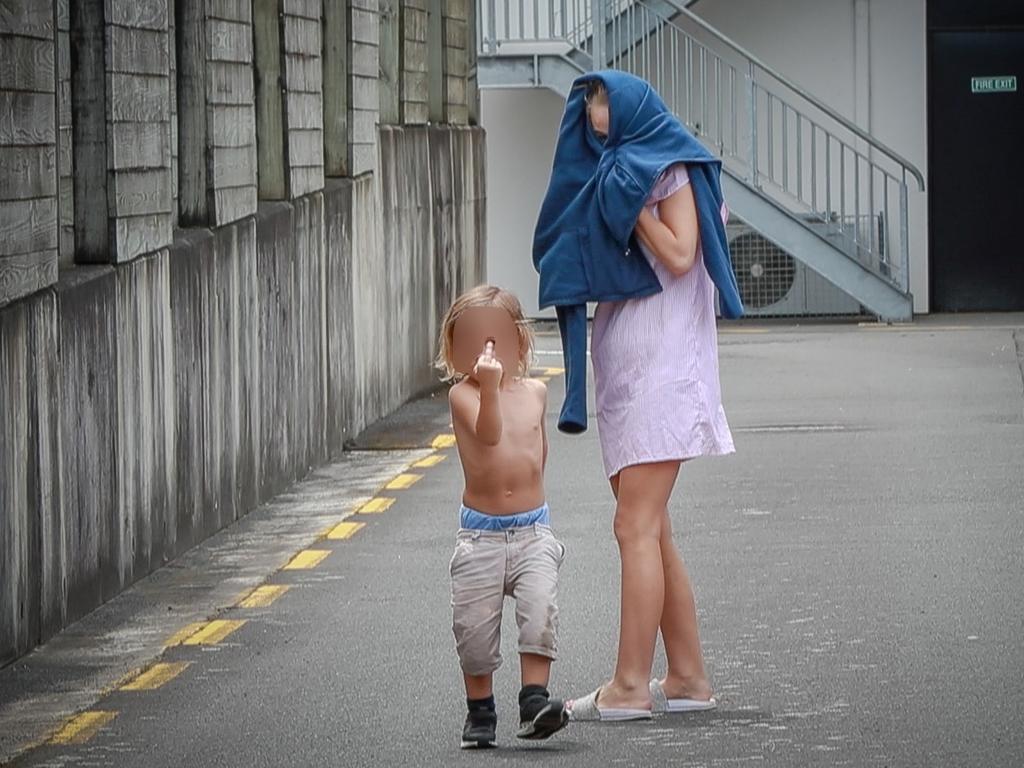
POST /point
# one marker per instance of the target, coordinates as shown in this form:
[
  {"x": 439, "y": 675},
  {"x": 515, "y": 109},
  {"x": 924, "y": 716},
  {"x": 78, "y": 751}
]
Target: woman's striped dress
[{"x": 656, "y": 365}]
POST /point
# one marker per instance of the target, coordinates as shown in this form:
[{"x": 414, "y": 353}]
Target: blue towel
[{"x": 584, "y": 246}]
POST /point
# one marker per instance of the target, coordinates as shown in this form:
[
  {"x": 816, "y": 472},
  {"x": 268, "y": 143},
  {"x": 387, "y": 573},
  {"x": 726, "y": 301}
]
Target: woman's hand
[{"x": 674, "y": 239}]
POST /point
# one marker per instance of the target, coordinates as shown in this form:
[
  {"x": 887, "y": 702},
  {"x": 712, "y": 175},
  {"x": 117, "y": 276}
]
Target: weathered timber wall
[{"x": 146, "y": 405}]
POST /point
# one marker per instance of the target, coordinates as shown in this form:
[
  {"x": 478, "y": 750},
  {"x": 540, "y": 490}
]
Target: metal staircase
[{"x": 801, "y": 174}]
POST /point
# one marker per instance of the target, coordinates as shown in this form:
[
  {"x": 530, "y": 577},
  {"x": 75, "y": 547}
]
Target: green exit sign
[{"x": 1006, "y": 84}]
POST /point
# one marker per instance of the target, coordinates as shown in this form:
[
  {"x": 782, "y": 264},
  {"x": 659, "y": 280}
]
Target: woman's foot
[
  {"x": 587, "y": 709},
  {"x": 614, "y": 696},
  {"x": 664, "y": 702},
  {"x": 687, "y": 688}
]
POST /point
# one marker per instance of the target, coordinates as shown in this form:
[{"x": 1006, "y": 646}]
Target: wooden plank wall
[
  {"x": 172, "y": 87},
  {"x": 472, "y": 81},
  {"x": 414, "y": 88},
  {"x": 435, "y": 62},
  {"x": 158, "y": 119},
  {"x": 216, "y": 108},
  {"x": 231, "y": 110},
  {"x": 413, "y": 62},
  {"x": 335, "y": 87},
  {"x": 65, "y": 166},
  {"x": 139, "y": 127},
  {"x": 29, "y": 227},
  {"x": 273, "y": 184},
  {"x": 304, "y": 105},
  {"x": 456, "y": 60},
  {"x": 364, "y": 96},
  {"x": 121, "y": 129},
  {"x": 390, "y": 62}
]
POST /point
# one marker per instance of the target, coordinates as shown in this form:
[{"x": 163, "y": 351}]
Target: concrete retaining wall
[{"x": 145, "y": 406}]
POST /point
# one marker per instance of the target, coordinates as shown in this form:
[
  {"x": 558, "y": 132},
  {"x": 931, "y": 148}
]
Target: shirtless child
[{"x": 501, "y": 549}]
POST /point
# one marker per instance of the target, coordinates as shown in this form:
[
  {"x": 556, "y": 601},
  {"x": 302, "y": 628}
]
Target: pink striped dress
[{"x": 656, "y": 365}]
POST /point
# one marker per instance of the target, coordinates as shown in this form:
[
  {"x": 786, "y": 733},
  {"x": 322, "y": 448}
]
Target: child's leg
[
  {"x": 534, "y": 577},
  {"x": 536, "y": 669},
  {"x": 479, "y": 730},
  {"x": 478, "y": 686},
  {"x": 535, "y": 589},
  {"x": 478, "y": 576},
  {"x": 478, "y": 591}
]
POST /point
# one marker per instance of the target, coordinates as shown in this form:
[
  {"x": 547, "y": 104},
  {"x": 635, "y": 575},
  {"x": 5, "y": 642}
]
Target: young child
[{"x": 505, "y": 545}]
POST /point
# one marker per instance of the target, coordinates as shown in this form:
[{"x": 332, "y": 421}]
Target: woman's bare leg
[
  {"x": 643, "y": 493},
  {"x": 686, "y": 677}
]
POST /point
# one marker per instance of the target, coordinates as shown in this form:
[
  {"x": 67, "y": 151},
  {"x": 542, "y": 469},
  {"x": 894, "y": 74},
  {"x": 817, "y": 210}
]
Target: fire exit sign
[{"x": 1004, "y": 84}]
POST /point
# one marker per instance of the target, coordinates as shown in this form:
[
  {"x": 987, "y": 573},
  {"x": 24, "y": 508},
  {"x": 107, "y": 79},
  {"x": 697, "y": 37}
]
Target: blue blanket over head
[{"x": 584, "y": 246}]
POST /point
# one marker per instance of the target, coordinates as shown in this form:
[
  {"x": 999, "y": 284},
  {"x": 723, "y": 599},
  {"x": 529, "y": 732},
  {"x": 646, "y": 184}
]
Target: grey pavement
[{"x": 858, "y": 565}]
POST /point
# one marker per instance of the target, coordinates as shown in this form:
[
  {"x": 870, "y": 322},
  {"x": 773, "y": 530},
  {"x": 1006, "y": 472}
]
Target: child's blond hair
[{"x": 483, "y": 296}]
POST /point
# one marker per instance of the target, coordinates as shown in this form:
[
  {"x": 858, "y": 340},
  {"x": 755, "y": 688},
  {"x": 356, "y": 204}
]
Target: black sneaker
[
  {"x": 479, "y": 731},
  {"x": 536, "y": 724}
]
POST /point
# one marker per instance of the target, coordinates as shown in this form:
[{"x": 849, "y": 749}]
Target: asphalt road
[{"x": 859, "y": 565}]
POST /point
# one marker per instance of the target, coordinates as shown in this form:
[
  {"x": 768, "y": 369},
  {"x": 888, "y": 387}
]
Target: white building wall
[{"x": 522, "y": 126}]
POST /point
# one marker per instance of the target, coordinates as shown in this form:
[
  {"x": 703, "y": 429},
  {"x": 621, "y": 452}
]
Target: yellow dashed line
[
  {"x": 344, "y": 530},
  {"x": 375, "y": 506},
  {"x": 213, "y": 632},
  {"x": 184, "y": 633},
  {"x": 554, "y": 371},
  {"x": 82, "y": 727},
  {"x": 430, "y": 461},
  {"x": 403, "y": 481},
  {"x": 263, "y": 596},
  {"x": 306, "y": 559},
  {"x": 443, "y": 441},
  {"x": 155, "y": 676}
]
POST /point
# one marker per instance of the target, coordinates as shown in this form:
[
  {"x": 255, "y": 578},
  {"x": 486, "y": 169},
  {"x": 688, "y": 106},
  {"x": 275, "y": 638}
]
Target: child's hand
[{"x": 488, "y": 370}]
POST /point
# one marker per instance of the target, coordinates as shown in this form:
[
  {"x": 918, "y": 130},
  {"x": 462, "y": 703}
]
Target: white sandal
[
  {"x": 661, "y": 703},
  {"x": 586, "y": 709}
]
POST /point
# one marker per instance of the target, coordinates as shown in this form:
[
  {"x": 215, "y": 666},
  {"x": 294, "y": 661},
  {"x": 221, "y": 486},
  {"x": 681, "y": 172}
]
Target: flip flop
[
  {"x": 586, "y": 709},
  {"x": 661, "y": 703}
]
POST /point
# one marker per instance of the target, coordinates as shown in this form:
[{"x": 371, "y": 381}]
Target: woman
[{"x": 655, "y": 363}]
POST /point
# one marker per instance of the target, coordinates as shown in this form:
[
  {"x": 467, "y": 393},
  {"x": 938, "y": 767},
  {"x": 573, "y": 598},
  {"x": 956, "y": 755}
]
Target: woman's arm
[{"x": 674, "y": 239}]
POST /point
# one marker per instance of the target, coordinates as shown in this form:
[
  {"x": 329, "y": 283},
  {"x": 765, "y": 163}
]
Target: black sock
[
  {"x": 532, "y": 699},
  {"x": 481, "y": 705}
]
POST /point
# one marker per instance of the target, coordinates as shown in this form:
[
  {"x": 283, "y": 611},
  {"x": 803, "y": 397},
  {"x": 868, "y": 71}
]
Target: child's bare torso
[{"x": 506, "y": 478}]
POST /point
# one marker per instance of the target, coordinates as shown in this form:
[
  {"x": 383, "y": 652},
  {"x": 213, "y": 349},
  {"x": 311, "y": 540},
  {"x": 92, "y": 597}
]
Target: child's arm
[
  {"x": 481, "y": 415},
  {"x": 543, "y": 423}
]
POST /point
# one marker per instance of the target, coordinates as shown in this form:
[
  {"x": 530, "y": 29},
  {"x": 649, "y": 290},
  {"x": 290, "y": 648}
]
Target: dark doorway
[{"x": 976, "y": 168}]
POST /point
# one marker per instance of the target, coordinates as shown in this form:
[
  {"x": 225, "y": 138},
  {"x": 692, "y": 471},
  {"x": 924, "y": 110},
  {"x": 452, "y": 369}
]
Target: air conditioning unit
[{"x": 772, "y": 283}]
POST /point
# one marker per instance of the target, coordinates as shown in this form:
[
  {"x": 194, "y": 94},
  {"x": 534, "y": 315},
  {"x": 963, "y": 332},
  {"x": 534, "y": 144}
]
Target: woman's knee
[{"x": 634, "y": 524}]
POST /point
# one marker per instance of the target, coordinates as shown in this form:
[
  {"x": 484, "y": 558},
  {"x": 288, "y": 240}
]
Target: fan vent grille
[{"x": 764, "y": 272}]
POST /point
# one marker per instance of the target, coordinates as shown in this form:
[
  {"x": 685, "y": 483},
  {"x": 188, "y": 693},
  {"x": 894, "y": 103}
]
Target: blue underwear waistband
[{"x": 478, "y": 521}]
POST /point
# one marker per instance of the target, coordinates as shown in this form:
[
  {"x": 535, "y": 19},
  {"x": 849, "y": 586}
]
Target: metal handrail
[{"x": 783, "y": 80}]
